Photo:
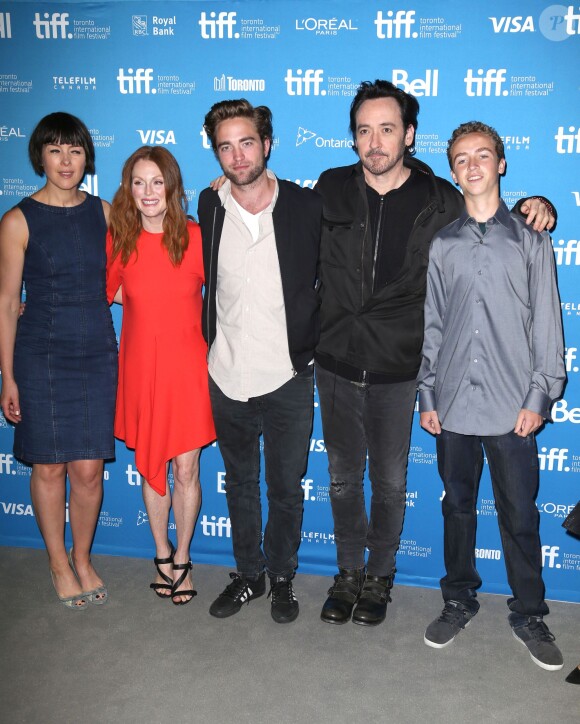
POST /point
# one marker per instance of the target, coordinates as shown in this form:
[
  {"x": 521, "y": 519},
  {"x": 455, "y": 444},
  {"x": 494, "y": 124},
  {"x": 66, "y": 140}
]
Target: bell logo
[
  {"x": 221, "y": 482},
  {"x": 549, "y": 555},
  {"x": 561, "y": 413},
  {"x": 418, "y": 87},
  {"x": 568, "y": 142},
  {"x": 216, "y": 527},
  {"x": 136, "y": 81},
  {"x": 483, "y": 85},
  {"x": 53, "y": 26},
  {"x": 306, "y": 82},
  {"x": 218, "y": 25},
  {"x": 396, "y": 25}
]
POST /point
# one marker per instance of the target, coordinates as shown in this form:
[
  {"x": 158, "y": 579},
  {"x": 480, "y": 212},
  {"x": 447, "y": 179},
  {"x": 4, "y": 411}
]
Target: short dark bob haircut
[{"x": 60, "y": 128}]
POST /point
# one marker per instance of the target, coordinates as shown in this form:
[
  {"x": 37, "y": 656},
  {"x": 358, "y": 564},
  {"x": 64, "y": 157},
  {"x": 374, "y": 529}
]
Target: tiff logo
[
  {"x": 213, "y": 527},
  {"x": 567, "y": 253},
  {"x": 53, "y": 26},
  {"x": 5, "y": 26},
  {"x": 571, "y": 20},
  {"x": 133, "y": 476},
  {"x": 307, "y": 488},
  {"x": 554, "y": 456},
  {"x": 576, "y": 195},
  {"x": 219, "y": 25},
  {"x": 6, "y": 463},
  {"x": 136, "y": 81},
  {"x": 483, "y": 85},
  {"x": 549, "y": 555},
  {"x": 395, "y": 24},
  {"x": 306, "y": 82},
  {"x": 568, "y": 142}
]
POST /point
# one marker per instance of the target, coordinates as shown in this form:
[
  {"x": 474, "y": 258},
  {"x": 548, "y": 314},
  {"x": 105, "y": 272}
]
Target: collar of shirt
[
  {"x": 225, "y": 193},
  {"x": 501, "y": 216}
]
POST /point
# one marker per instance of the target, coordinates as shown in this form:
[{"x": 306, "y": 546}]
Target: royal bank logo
[
  {"x": 139, "y": 25},
  {"x": 5, "y": 26},
  {"x": 568, "y": 142},
  {"x": 225, "y": 82},
  {"x": 488, "y": 82},
  {"x": 395, "y": 24}
]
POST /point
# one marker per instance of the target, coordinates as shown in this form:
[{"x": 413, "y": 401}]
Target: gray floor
[{"x": 140, "y": 659}]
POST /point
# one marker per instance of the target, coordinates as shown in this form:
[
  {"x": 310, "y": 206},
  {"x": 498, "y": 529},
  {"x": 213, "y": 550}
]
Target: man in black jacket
[
  {"x": 379, "y": 217},
  {"x": 260, "y": 318}
]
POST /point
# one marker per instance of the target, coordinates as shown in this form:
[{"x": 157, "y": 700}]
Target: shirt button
[
  {"x": 474, "y": 388},
  {"x": 479, "y": 272},
  {"x": 481, "y": 241},
  {"x": 477, "y": 301},
  {"x": 477, "y": 331},
  {"x": 475, "y": 360}
]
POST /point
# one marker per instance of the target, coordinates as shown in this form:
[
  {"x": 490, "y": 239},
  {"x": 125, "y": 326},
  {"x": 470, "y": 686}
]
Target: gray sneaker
[
  {"x": 532, "y": 632},
  {"x": 454, "y": 617}
]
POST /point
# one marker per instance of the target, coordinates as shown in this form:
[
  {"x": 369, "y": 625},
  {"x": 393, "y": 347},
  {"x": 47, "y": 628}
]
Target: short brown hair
[
  {"x": 475, "y": 127},
  {"x": 60, "y": 128},
  {"x": 261, "y": 117}
]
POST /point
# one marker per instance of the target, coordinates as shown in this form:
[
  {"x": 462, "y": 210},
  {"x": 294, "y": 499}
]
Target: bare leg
[
  {"x": 48, "y": 493},
  {"x": 158, "y": 507},
  {"x": 186, "y": 503},
  {"x": 86, "y": 495}
]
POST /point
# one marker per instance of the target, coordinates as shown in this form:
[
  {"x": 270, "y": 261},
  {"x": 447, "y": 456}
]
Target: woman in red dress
[{"x": 155, "y": 269}]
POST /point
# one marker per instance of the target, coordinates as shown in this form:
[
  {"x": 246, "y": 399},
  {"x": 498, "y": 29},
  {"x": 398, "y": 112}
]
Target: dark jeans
[
  {"x": 513, "y": 464},
  {"x": 357, "y": 418},
  {"x": 284, "y": 417}
]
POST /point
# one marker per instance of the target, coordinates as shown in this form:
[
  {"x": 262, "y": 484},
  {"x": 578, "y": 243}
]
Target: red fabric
[{"x": 163, "y": 406}]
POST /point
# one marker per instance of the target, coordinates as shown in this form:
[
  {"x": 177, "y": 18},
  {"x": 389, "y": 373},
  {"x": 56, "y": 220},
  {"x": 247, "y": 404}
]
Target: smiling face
[
  {"x": 240, "y": 151},
  {"x": 148, "y": 190},
  {"x": 381, "y": 138},
  {"x": 475, "y": 166},
  {"x": 63, "y": 165}
]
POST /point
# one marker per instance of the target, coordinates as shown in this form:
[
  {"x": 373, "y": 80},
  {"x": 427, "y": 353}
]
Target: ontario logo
[{"x": 304, "y": 135}]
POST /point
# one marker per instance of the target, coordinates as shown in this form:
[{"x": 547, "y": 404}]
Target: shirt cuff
[
  {"x": 427, "y": 401},
  {"x": 537, "y": 401}
]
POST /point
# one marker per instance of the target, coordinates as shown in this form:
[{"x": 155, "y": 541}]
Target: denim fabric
[
  {"x": 513, "y": 464},
  {"x": 284, "y": 418},
  {"x": 356, "y": 418}
]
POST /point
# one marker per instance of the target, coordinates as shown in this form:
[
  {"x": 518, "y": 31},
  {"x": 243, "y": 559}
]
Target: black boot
[
  {"x": 371, "y": 608},
  {"x": 342, "y": 596},
  {"x": 574, "y": 676}
]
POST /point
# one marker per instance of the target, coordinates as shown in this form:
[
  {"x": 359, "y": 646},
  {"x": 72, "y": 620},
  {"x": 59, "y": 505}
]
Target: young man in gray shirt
[{"x": 492, "y": 366}]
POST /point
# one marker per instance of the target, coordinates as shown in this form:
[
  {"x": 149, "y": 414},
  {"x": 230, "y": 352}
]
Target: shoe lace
[
  {"x": 282, "y": 592},
  {"x": 453, "y": 615},
  {"x": 539, "y": 630},
  {"x": 237, "y": 588}
]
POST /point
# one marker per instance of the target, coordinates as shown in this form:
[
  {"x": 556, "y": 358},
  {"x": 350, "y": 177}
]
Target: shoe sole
[
  {"x": 541, "y": 664},
  {"x": 367, "y": 623},
  {"x": 286, "y": 620},
  {"x": 333, "y": 621},
  {"x": 435, "y": 645},
  {"x": 227, "y": 614}
]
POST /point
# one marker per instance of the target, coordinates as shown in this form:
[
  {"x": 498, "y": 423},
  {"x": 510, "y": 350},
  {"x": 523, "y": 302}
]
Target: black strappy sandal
[
  {"x": 185, "y": 567},
  {"x": 168, "y": 585}
]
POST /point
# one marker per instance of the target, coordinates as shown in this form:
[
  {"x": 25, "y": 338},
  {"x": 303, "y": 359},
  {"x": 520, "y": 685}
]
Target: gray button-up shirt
[{"x": 493, "y": 330}]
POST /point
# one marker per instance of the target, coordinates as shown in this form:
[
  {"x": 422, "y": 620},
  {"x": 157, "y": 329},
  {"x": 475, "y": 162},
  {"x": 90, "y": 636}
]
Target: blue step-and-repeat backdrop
[{"x": 147, "y": 72}]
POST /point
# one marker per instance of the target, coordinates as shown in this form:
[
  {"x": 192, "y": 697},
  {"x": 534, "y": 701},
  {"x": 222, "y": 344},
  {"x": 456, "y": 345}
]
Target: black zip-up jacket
[
  {"x": 297, "y": 219},
  {"x": 378, "y": 335}
]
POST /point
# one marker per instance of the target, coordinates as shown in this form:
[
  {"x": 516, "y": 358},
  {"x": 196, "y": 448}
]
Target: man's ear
[
  {"x": 454, "y": 177},
  {"x": 501, "y": 167}
]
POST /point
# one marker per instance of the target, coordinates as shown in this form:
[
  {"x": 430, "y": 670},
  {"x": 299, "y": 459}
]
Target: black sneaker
[
  {"x": 241, "y": 590},
  {"x": 284, "y": 603},
  {"x": 454, "y": 618},
  {"x": 532, "y": 632}
]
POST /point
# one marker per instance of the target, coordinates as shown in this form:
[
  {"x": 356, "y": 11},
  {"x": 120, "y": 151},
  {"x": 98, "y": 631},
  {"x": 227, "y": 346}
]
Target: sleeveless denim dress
[{"x": 65, "y": 356}]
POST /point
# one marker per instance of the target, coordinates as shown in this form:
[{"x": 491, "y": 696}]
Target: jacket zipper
[
  {"x": 209, "y": 281},
  {"x": 377, "y": 238}
]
